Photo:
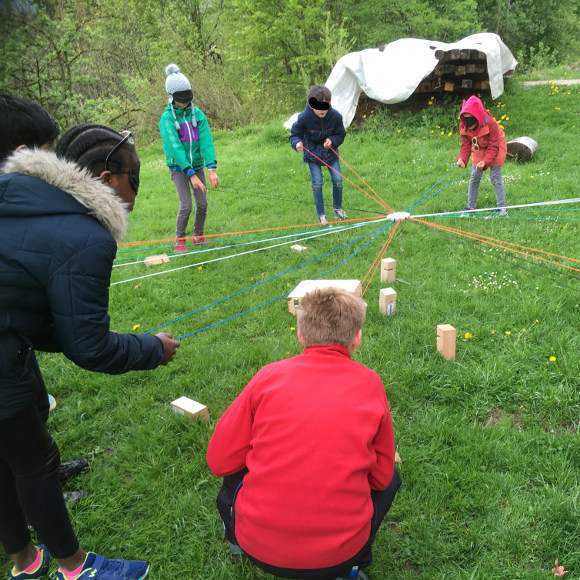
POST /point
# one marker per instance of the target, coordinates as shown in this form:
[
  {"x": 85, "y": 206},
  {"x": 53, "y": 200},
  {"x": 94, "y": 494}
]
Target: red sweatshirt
[
  {"x": 315, "y": 433},
  {"x": 491, "y": 144}
]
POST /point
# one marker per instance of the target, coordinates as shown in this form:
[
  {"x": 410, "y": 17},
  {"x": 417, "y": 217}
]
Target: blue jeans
[
  {"x": 317, "y": 181},
  {"x": 496, "y": 180}
]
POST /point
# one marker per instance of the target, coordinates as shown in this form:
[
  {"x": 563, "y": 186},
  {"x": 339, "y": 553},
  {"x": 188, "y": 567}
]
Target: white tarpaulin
[{"x": 392, "y": 75}]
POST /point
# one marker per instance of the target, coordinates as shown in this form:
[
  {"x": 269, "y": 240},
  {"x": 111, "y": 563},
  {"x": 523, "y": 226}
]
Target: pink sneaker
[
  {"x": 201, "y": 240},
  {"x": 180, "y": 246}
]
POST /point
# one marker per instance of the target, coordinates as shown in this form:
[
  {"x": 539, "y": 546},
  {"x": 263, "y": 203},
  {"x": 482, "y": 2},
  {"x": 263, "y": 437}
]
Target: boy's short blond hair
[{"x": 330, "y": 316}]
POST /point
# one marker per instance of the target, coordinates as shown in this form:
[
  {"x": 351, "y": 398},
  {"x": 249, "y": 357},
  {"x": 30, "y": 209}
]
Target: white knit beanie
[{"x": 176, "y": 81}]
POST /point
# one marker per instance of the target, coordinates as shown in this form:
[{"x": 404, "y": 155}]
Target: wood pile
[{"x": 456, "y": 71}]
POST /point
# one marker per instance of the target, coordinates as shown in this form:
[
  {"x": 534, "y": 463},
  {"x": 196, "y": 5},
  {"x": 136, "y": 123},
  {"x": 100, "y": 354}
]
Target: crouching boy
[{"x": 307, "y": 452}]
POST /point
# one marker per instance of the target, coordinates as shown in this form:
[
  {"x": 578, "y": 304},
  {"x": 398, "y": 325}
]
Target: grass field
[{"x": 489, "y": 442}]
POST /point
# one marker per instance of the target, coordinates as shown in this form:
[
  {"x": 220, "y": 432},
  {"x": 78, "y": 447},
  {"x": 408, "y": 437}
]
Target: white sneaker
[
  {"x": 322, "y": 219},
  {"x": 339, "y": 214}
]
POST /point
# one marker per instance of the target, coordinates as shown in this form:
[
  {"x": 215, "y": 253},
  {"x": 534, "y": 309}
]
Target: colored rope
[
  {"x": 479, "y": 238},
  {"x": 269, "y": 279},
  {"x": 379, "y": 200},
  {"x": 382, "y": 201},
  {"x": 378, "y": 259}
]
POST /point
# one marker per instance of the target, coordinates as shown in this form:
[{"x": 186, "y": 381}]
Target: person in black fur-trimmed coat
[{"x": 59, "y": 219}]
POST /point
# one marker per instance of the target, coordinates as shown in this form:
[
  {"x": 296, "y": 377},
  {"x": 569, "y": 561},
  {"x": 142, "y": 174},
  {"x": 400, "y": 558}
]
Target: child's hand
[
  {"x": 328, "y": 144},
  {"x": 481, "y": 166},
  {"x": 461, "y": 163},
  {"x": 213, "y": 178},
  {"x": 300, "y": 147},
  {"x": 196, "y": 182},
  {"x": 169, "y": 346}
]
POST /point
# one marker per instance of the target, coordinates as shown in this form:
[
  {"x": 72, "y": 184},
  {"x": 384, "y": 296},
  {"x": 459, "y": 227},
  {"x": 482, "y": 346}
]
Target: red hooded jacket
[{"x": 491, "y": 145}]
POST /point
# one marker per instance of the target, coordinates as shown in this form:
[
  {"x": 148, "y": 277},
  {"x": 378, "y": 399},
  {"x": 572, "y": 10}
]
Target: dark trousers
[
  {"x": 382, "y": 501},
  {"x": 29, "y": 482}
]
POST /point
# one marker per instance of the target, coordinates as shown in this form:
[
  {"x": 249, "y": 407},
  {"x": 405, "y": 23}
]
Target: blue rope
[
  {"x": 269, "y": 279},
  {"x": 286, "y": 293},
  {"x": 435, "y": 184}
]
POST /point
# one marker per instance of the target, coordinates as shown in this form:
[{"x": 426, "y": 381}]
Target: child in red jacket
[
  {"x": 484, "y": 138},
  {"x": 307, "y": 452}
]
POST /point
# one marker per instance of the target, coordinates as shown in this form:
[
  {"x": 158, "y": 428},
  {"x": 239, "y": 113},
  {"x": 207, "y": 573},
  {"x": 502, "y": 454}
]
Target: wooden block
[
  {"x": 156, "y": 260},
  {"x": 446, "y": 340},
  {"x": 388, "y": 270},
  {"x": 354, "y": 286},
  {"x": 460, "y": 71},
  {"x": 387, "y": 301},
  {"x": 448, "y": 87},
  {"x": 190, "y": 408},
  {"x": 470, "y": 69},
  {"x": 466, "y": 84},
  {"x": 454, "y": 54},
  {"x": 298, "y": 248},
  {"x": 397, "y": 458},
  {"x": 465, "y": 54}
]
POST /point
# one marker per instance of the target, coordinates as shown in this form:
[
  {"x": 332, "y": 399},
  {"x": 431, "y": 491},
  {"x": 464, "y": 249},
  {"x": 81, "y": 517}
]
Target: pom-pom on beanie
[{"x": 176, "y": 81}]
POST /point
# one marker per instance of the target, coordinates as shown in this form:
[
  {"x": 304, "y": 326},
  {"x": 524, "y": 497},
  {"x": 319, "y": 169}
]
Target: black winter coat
[
  {"x": 314, "y": 131},
  {"x": 57, "y": 245}
]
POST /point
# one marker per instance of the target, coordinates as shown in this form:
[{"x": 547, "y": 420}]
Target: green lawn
[{"x": 489, "y": 442}]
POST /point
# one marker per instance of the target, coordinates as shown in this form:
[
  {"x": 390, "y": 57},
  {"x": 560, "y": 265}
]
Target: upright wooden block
[
  {"x": 387, "y": 301},
  {"x": 305, "y": 286},
  {"x": 190, "y": 408},
  {"x": 388, "y": 270},
  {"x": 446, "y": 340},
  {"x": 156, "y": 260}
]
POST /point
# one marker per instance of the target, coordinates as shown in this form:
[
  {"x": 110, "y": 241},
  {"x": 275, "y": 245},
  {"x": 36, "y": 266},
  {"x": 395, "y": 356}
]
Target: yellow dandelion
[
  {"x": 398, "y": 130},
  {"x": 531, "y": 177},
  {"x": 557, "y": 108},
  {"x": 438, "y": 126},
  {"x": 199, "y": 268},
  {"x": 552, "y": 359},
  {"x": 364, "y": 116},
  {"x": 508, "y": 332},
  {"x": 442, "y": 132},
  {"x": 136, "y": 326},
  {"x": 292, "y": 328},
  {"x": 449, "y": 134},
  {"x": 537, "y": 320},
  {"x": 372, "y": 112},
  {"x": 252, "y": 279},
  {"x": 507, "y": 118},
  {"x": 523, "y": 330},
  {"x": 468, "y": 335},
  {"x": 432, "y": 131},
  {"x": 493, "y": 331}
]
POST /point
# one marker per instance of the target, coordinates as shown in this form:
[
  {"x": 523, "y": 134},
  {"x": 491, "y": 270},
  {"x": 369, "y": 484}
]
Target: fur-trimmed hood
[{"x": 98, "y": 200}]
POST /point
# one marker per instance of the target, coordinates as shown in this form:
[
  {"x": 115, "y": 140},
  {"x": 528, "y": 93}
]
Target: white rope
[
  {"x": 325, "y": 232},
  {"x": 542, "y": 203}
]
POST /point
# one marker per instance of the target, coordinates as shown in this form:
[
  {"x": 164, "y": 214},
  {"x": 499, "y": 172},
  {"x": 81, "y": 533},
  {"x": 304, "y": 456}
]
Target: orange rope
[
  {"x": 378, "y": 259},
  {"x": 143, "y": 242},
  {"x": 379, "y": 200},
  {"x": 378, "y": 196},
  {"x": 482, "y": 239}
]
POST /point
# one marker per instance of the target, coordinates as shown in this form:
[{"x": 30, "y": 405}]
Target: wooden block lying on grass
[
  {"x": 298, "y": 248},
  {"x": 190, "y": 408},
  {"x": 156, "y": 260},
  {"x": 446, "y": 341},
  {"x": 305, "y": 286},
  {"x": 387, "y": 301}
]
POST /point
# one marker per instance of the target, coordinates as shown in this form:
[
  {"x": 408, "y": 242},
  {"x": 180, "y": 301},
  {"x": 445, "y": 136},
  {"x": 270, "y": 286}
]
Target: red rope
[
  {"x": 378, "y": 196},
  {"x": 378, "y": 259},
  {"x": 483, "y": 240},
  {"x": 379, "y": 200}
]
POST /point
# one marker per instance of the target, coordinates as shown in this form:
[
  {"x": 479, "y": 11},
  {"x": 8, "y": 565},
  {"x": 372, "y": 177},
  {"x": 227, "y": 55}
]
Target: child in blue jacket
[{"x": 316, "y": 133}]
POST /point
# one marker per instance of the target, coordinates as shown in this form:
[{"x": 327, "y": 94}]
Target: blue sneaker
[
  {"x": 98, "y": 567},
  {"x": 467, "y": 212},
  {"x": 40, "y": 572}
]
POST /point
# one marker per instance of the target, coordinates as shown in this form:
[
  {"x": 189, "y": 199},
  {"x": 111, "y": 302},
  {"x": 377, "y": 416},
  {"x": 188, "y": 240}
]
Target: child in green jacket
[{"x": 188, "y": 146}]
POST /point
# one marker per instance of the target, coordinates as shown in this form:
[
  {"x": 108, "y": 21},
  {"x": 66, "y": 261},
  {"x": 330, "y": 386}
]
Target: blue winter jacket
[
  {"x": 313, "y": 131},
  {"x": 57, "y": 245}
]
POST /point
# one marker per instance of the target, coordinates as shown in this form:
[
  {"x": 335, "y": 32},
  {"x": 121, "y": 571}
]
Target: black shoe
[
  {"x": 69, "y": 469},
  {"x": 71, "y": 498}
]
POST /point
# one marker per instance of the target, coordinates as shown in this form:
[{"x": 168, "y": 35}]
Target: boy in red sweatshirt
[
  {"x": 307, "y": 452},
  {"x": 484, "y": 138}
]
